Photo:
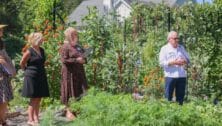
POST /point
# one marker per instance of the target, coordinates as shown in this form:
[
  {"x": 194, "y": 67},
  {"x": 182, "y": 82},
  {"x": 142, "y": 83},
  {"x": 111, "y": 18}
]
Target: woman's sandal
[
  {"x": 70, "y": 116},
  {"x": 31, "y": 123},
  {"x": 36, "y": 123}
]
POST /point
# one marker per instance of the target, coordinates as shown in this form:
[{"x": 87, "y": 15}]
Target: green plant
[{"x": 104, "y": 109}]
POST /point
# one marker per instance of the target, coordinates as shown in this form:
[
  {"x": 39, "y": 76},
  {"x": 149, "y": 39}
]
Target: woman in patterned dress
[
  {"x": 73, "y": 81},
  {"x": 7, "y": 70}
]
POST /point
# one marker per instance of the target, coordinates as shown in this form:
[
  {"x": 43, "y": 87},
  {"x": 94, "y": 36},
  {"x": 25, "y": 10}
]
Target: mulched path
[
  {"x": 17, "y": 119},
  {"x": 20, "y": 118}
]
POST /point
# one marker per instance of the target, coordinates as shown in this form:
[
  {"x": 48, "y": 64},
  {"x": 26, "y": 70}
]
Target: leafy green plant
[{"x": 101, "y": 108}]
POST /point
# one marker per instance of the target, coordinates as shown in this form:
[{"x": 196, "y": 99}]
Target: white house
[{"x": 122, "y": 8}]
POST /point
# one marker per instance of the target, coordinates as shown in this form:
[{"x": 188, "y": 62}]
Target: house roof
[
  {"x": 82, "y": 10},
  {"x": 127, "y": 3},
  {"x": 170, "y": 3}
]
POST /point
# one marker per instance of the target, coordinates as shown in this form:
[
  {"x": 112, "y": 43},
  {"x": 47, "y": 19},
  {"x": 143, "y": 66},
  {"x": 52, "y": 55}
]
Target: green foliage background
[
  {"x": 124, "y": 54},
  {"x": 127, "y": 54}
]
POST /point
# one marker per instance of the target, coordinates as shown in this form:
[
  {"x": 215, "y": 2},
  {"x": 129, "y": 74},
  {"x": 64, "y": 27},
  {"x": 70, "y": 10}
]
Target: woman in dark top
[
  {"x": 7, "y": 70},
  {"x": 35, "y": 81},
  {"x": 73, "y": 75}
]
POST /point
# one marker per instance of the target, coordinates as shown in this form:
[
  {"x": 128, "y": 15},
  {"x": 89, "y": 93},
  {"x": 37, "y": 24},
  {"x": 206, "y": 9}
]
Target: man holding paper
[{"x": 173, "y": 58}]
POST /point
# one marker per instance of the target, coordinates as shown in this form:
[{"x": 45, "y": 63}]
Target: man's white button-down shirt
[{"x": 167, "y": 54}]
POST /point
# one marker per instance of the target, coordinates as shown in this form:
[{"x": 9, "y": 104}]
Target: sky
[{"x": 201, "y": 1}]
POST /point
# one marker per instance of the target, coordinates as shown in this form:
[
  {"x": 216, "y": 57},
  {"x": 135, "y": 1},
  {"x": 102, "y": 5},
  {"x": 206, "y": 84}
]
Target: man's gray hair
[{"x": 170, "y": 34}]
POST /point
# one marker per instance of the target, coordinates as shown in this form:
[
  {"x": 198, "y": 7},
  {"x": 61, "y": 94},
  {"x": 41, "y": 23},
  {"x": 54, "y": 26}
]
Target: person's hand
[
  {"x": 80, "y": 60},
  {"x": 178, "y": 62},
  {"x": 2, "y": 61},
  {"x": 181, "y": 61},
  {"x": 23, "y": 67}
]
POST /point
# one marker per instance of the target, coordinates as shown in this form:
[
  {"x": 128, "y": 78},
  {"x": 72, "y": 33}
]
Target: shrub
[{"x": 104, "y": 109}]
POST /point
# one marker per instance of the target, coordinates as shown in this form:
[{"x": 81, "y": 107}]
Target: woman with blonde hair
[
  {"x": 35, "y": 81},
  {"x": 73, "y": 75},
  {"x": 7, "y": 70}
]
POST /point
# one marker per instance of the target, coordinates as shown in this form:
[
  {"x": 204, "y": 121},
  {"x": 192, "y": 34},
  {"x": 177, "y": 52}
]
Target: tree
[{"x": 9, "y": 13}]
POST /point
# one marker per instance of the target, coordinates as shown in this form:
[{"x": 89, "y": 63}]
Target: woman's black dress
[{"x": 35, "y": 81}]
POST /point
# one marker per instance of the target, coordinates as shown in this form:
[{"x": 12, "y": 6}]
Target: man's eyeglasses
[{"x": 175, "y": 38}]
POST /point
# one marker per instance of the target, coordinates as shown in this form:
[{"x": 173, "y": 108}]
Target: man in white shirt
[{"x": 174, "y": 58}]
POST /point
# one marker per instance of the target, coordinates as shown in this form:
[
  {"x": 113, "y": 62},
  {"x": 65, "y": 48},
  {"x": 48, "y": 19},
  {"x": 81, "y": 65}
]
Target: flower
[
  {"x": 49, "y": 27},
  {"x": 46, "y": 22},
  {"x": 56, "y": 35},
  {"x": 86, "y": 46},
  {"x": 46, "y": 32},
  {"x": 60, "y": 28}
]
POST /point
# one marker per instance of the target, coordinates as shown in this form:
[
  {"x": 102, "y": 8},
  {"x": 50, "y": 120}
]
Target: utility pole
[
  {"x": 169, "y": 20},
  {"x": 54, "y": 15}
]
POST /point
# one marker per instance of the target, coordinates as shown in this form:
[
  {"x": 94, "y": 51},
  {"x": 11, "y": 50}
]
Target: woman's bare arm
[{"x": 24, "y": 59}]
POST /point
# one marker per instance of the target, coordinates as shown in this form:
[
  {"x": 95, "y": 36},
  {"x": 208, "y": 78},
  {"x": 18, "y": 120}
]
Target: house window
[{"x": 105, "y": 9}]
